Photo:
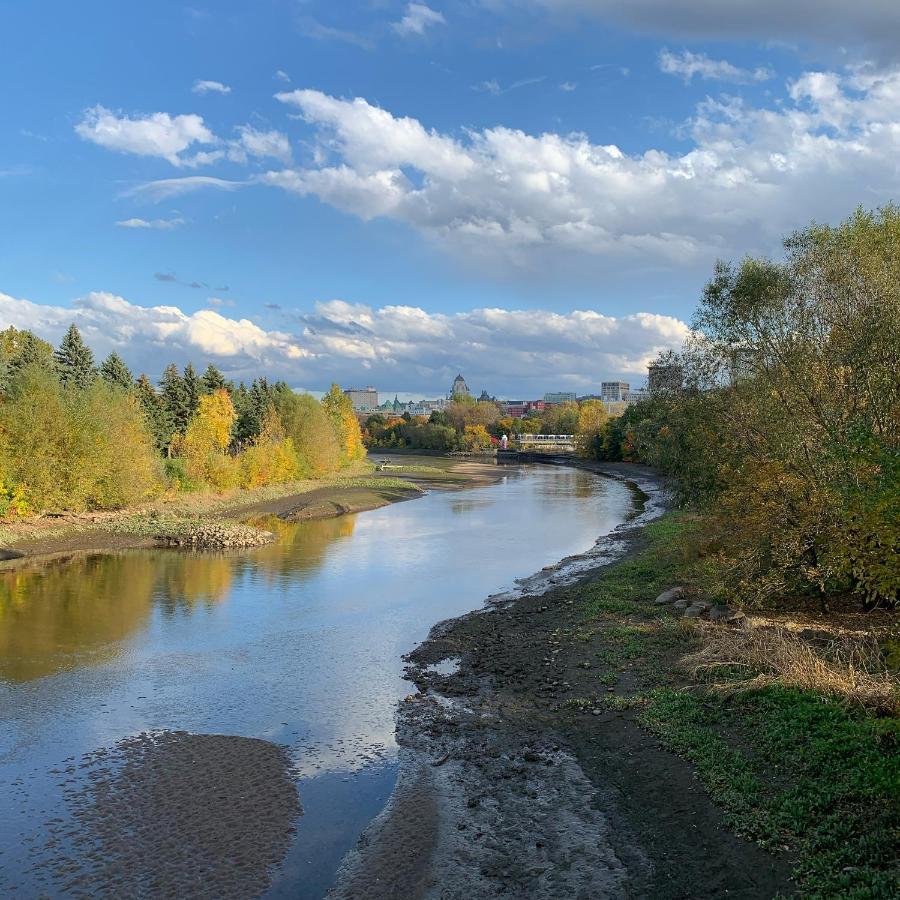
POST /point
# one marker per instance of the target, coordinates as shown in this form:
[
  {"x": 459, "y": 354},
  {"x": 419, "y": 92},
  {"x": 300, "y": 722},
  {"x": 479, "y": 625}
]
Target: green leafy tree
[
  {"x": 115, "y": 373},
  {"x": 155, "y": 415},
  {"x": 75, "y": 360},
  {"x": 175, "y": 400},
  {"x": 212, "y": 380}
]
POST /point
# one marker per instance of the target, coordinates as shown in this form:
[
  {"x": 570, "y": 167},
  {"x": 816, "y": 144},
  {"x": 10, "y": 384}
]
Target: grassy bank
[{"x": 804, "y": 767}]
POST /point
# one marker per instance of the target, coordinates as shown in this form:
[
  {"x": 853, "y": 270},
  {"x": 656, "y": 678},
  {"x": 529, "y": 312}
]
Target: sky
[{"x": 530, "y": 192}]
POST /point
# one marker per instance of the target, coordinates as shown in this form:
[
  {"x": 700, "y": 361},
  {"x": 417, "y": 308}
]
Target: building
[
  {"x": 664, "y": 377},
  {"x": 614, "y": 391},
  {"x": 460, "y": 388},
  {"x": 521, "y": 409},
  {"x": 363, "y": 399},
  {"x": 636, "y": 396},
  {"x": 559, "y": 397}
]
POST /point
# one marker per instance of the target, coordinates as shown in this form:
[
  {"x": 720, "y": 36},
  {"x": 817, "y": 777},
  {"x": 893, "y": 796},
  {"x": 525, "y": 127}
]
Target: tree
[
  {"x": 206, "y": 442},
  {"x": 74, "y": 360},
  {"x": 346, "y": 426},
  {"x": 114, "y": 372},
  {"x": 309, "y": 427},
  {"x": 192, "y": 389},
  {"x": 589, "y": 434},
  {"x": 175, "y": 401},
  {"x": 212, "y": 380},
  {"x": 157, "y": 421}
]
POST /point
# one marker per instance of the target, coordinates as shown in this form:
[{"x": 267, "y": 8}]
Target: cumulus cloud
[
  {"x": 157, "y": 134},
  {"x": 207, "y": 87},
  {"x": 750, "y": 175},
  {"x": 876, "y": 22},
  {"x": 511, "y": 352},
  {"x": 260, "y": 144},
  {"x": 417, "y": 19},
  {"x": 686, "y": 65},
  {"x": 157, "y": 224}
]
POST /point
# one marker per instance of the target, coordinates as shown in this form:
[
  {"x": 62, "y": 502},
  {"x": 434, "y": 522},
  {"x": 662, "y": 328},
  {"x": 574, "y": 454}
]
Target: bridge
[{"x": 546, "y": 443}]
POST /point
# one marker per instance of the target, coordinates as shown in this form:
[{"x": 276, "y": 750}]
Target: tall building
[
  {"x": 614, "y": 391},
  {"x": 363, "y": 399},
  {"x": 559, "y": 397},
  {"x": 460, "y": 388},
  {"x": 663, "y": 377}
]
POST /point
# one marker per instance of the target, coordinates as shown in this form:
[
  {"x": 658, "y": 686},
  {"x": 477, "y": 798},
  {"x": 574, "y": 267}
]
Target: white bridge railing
[{"x": 546, "y": 438}]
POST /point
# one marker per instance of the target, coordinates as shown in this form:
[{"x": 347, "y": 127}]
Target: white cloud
[
  {"x": 158, "y": 224},
  {"x": 568, "y": 86},
  {"x": 207, "y": 87},
  {"x": 522, "y": 352},
  {"x": 281, "y": 75},
  {"x": 417, "y": 19},
  {"x": 750, "y": 175},
  {"x": 260, "y": 144},
  {"x": 165, "y": 188},
  {"x": 686, "y": 65},
  {"x": 158, "y": 134}
]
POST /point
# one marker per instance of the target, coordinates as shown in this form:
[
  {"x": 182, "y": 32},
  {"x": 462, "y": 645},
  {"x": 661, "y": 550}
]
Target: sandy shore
[{"x": 504, "y": 791}]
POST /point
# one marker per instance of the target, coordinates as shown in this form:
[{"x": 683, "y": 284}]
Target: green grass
[{"x": 793, "y": 770}]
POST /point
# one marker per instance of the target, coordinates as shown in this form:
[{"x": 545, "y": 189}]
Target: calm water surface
[{"x": 299, "y": 643}]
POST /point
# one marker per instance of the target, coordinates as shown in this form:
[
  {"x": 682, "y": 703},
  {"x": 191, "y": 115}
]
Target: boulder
[
  {"x": 694, "y": 611},
  {"x": 683, "y": 603},
  {"x": 669, "y": 596},
  {"x": 719, "y": 613}
]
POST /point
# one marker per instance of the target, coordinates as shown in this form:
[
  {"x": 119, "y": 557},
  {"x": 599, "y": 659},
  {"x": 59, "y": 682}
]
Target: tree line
[
  {"x": 77, "y": 436},
  {"x": 785, "y": 433}
]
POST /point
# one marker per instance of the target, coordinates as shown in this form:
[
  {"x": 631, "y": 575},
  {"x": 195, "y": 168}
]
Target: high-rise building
[
  {"x": 559, "y": 397},
  {"x": 664, "y": 377},
  {"x": 460, "y": 388},
  {"x": 363, "y": 399},
  {"x": 614, "y": 391}
]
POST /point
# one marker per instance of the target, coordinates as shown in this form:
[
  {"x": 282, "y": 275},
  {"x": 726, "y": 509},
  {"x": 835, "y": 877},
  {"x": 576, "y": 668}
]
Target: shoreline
[
  {"x": 71, "y": 534},
  {"x": 498, "y": 794}
]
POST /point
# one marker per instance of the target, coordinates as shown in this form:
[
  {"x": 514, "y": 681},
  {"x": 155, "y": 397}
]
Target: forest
[{"x": 77, "y": 436}]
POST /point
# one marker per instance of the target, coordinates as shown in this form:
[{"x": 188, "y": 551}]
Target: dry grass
[{"x": 847, "y": 665}]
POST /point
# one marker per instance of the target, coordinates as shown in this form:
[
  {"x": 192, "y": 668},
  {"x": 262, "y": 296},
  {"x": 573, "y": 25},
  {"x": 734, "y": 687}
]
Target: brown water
[{"x": 298, "y": 643}]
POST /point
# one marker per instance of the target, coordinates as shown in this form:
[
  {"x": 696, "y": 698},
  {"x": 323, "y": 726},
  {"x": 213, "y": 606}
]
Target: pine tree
[
  {"x": 74, "y": 360},
  {"x": 154, "y": 413},
  {"x": 175, "y": 400},
  {"x": 192, "y": 390},
  {"x": 212, "y": 380},
  {"x": 114, "y": 372}
]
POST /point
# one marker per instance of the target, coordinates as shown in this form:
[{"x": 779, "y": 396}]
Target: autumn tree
[
  {"x": 588, "y": 434},
  {"x": 155, "y": 415},
  {"x": 206, "y": 442},
  {"x": 74, "y": 360},
  {"x": 345, "y": 424},
  {"x": 309, "y": 427}
]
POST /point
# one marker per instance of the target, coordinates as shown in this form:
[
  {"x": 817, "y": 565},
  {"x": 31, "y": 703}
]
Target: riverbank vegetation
[
  {"x": 782, "y": 424},
  {"x": 807, "y": 766},
  {"x": 75, "y": 436}
]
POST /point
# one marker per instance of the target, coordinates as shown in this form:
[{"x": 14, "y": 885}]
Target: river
[{"x": 299, "y": 643}]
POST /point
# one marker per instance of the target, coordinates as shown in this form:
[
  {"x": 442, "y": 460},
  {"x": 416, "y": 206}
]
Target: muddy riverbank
[
  {"x": 65, "y": 534},
  {"x": 525, "y": 773}
]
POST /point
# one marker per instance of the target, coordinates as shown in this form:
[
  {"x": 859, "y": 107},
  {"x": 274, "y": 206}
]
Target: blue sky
[{"x": 530, "y": 191}]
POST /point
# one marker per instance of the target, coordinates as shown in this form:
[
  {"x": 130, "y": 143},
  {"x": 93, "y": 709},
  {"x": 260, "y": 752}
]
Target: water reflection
[{"x": 299, "y": 642}]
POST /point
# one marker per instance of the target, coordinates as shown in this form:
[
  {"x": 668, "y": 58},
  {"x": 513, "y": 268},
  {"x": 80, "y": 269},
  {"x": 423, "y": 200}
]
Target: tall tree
[
  {"x": 212, "y": 380},
  {"x": 74, "y": 360},
  {"x": 175, "y": 400},
  {"x": 154, "y": 413},
  {"x": 346, "y": 426},
  {"x": 192, "y": 389},
  {"x": 114, "y": 372}
]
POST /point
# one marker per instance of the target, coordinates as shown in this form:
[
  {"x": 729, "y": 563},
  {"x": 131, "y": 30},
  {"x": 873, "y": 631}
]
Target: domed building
[{"x": 460, "y": 388}]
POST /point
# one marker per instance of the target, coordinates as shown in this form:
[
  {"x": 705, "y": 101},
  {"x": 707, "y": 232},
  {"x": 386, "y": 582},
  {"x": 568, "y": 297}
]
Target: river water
[{"x": 299, "y": 643}]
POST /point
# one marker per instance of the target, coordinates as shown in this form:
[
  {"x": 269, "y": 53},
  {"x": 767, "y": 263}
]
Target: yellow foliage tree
[
  {"x": 591, "y": 419},
  {"x": 476, "y": 437},
  {"x": 206, "y": 440},
  {"x": 271, "y": 458}
]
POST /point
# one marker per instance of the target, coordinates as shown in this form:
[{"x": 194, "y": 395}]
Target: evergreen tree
[
  {"x": 152, "y": 406},
  {"x": 114, "y": 372},
  {"x": 74, "y": 360},
  {"x": 175, "y": 400},
  {"x": 192, "y": 390},
  {"x": 212, "y": 380}
]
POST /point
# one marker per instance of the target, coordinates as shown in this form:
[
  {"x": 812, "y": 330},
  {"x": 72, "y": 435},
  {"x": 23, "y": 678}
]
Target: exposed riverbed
[{"x": 106, "y": 660}]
